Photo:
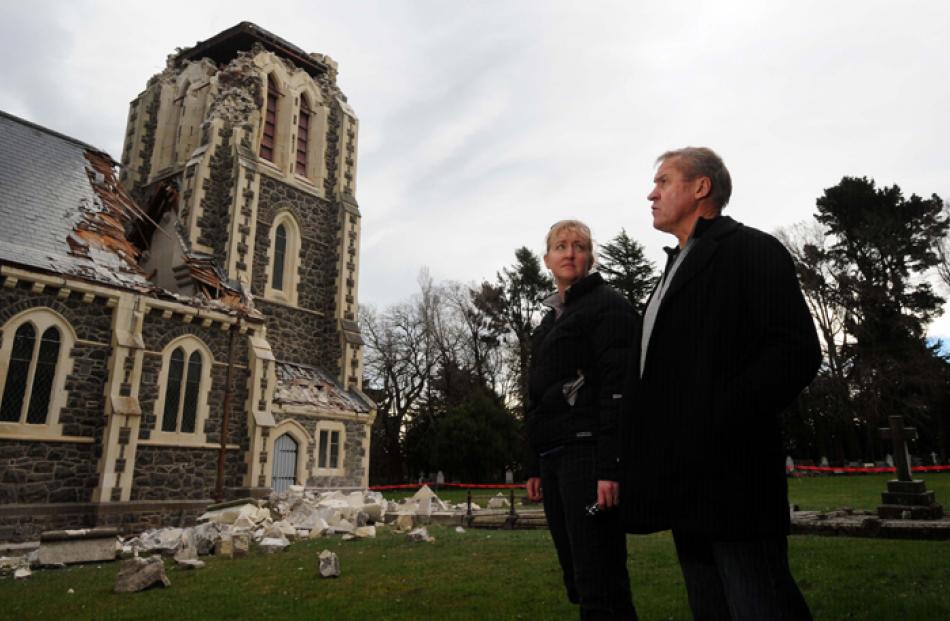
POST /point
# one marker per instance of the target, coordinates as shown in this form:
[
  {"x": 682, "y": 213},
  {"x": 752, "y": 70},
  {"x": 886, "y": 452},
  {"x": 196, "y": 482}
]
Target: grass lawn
[
  {"x": 479, "y": 575},
  {"x": 817, "y": 493},
  {"x": 482, "y": 574},
  {"x": 824, "y": 493}
]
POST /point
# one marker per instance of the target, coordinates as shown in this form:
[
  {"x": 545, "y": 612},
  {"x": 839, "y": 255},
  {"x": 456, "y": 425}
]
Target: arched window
[
  {"x": 33, "y": 369},
  {"x": 284, "y": 259},
  {"x": 303, "y": 137},
  {"x": 21, "y": 359},
  {"x": 280, "y": 254},
  {"x": 185, "y": 380},
  {"x": 269, "y": 135}
]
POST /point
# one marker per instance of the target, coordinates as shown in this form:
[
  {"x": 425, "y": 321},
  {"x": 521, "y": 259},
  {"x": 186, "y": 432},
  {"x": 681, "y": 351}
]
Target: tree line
[{"x": 448, "y": 366}]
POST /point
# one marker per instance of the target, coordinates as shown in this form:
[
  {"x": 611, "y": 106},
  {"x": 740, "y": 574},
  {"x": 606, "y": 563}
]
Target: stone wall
[
  {"x": 214, "y": 222},
  {"x": 180, "y": 473},
  {"x": 27, "y": 522},
  {"x": 296, "y": 335},
  {"x": 43, "y": 472},
  {"x": 302, "y": 337}
]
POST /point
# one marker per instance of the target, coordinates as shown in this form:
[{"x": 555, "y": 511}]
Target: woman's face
[{"x": 568, "y": 257}]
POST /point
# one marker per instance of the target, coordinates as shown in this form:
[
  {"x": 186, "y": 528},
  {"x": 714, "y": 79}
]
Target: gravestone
[
  {"x": 509, "y": 477},
  {"x": 789, "y": 463},
  {"x": 905, "y": 497},
  {"x": 824, "y": 462},
  {"x": 439, "y": 478},
  {"x": 889, "y": 460}
]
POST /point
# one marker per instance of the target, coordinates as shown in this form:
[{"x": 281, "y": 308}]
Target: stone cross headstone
[
  {"x": 509, "y": 477},
  {"x": 933, "y": 457},
  {"x": 899, "y": 435},
  {"x": 824, "y": 462},
  {"x": 905, "y": 497}
]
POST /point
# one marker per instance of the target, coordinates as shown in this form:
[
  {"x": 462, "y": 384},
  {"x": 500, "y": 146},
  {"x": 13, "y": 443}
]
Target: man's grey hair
[{"x": 696, "y": 162}]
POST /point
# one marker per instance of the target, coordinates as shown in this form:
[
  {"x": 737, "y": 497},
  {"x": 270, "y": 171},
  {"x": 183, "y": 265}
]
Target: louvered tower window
[
  {"x": 303, "y": 136},
  {"x": 269, "y": 137}
]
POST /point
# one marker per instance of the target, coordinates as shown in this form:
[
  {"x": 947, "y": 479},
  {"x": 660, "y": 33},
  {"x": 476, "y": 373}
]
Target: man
[{"x": 727, "y": 344}]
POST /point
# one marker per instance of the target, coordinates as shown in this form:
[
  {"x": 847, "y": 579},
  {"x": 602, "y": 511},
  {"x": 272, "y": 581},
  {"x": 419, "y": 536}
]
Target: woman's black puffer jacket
[{"x": 593, "y": 337}]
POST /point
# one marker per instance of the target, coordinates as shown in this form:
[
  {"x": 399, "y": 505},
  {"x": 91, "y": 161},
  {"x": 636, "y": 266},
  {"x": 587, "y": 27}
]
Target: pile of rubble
[{"x": 230, "y": 529}]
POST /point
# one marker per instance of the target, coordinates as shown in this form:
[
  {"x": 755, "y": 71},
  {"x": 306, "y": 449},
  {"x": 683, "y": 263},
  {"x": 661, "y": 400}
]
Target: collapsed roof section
[
  {"x": 224, "y": 47},
  {"x": 303, "y": 385},
  {"x": 65, "y": 212}
]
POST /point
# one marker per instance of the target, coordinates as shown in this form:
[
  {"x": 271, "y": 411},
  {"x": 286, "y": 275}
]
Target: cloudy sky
[{"x": 484, "y": 122}]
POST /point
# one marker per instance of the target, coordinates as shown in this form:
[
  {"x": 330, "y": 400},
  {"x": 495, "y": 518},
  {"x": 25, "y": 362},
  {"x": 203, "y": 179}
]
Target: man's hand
[
  {"x": 533, "y": 487},
  {"x": 608, "y": 494}
]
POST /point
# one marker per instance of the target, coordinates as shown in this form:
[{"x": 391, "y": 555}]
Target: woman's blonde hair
[{"x": 576, "y": 226}]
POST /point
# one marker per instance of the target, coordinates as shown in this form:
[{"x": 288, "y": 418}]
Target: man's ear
[{"x": 703, "y": 188}]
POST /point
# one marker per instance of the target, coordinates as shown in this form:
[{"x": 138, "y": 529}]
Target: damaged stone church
[{"x": 184, "y": 330}]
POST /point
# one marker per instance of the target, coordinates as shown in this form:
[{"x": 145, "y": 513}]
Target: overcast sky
[{"x": 484, "y": 122}]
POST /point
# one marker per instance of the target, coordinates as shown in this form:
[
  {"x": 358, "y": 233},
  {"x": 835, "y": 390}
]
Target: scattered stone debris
[
  {"x": 229, "y": 530},
  {"x": 420, "y": 534},
  {"x": 9, "y": 565},
  {"x": 404, "y": 523},
  {"x": 138, "y": 574},
  {"x": 63, "y": 547},
  {"x": 273, "y": 544},
  {"x": 329, "y": 564},
  {"x": 498, "y": 502}
]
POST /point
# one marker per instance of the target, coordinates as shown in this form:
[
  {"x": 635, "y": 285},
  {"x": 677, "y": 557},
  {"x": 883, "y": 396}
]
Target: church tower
[{"x": 243, "y": 154}]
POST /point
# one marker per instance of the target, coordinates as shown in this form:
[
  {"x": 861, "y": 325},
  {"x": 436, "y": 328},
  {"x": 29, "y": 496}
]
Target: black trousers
[
  {"x": 739, "y": 580},
  {"x": 592, "y": 550}
]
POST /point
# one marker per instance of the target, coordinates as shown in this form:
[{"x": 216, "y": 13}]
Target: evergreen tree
[
  {"x": 883, "y": 246},
  {"x": 515, "y": 302},
  {"x": 622, "y": 263}
]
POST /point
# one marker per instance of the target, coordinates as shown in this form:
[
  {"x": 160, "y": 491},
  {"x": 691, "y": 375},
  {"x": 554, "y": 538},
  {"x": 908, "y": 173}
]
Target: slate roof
[
  {"x": 299, "y": 384},
  {"x": 48, "y": 202}
]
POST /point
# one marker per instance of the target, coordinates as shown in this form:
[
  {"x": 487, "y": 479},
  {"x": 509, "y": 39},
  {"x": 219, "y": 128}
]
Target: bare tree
[
  {"x": 942, "y": 248},
  {"x": 399, "y": 365},
  {"x": 809, "y": 246}
]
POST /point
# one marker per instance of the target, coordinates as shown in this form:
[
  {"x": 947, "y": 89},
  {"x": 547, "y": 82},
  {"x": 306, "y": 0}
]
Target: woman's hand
[
  {"x": 608, "y": 494},
  {"x": 533, "y": 487}
]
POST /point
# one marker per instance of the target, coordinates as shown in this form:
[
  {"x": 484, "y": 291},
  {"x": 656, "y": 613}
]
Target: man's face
[
  {"x": 569, "y": 257},
  {"x": 674, "y": 198}
]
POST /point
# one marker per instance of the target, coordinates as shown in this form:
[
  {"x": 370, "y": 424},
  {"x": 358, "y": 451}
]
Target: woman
[{"x": 578, "y": 361}]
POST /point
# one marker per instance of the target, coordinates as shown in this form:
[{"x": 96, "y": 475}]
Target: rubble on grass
[
  {"x": 329, "y": 564},
  {"x": 138, "y": 574},
  {"x": 231, "y": 529}
]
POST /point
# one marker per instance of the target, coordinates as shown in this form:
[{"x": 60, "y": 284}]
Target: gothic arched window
[
  {"x": 283, "y": 259},
  {"x": 33, "y": 363},
  {"x": 269, "y": 134},
  {"x": 185, "y": 378}
]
